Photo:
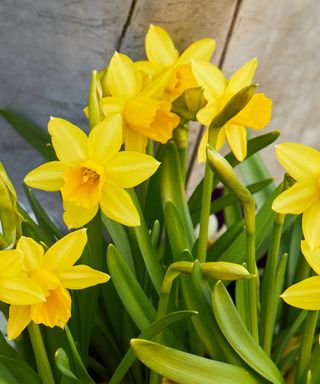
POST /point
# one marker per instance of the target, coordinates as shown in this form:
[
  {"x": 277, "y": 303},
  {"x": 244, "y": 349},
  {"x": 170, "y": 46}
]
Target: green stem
[
  {"x": 306, "y": 344},
  {"x": 43, "y": 365},
  {"x": 268, "y": 299}
]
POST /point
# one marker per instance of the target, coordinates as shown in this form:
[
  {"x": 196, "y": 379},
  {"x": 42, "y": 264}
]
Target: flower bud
[{"x": 189, "y": 103}]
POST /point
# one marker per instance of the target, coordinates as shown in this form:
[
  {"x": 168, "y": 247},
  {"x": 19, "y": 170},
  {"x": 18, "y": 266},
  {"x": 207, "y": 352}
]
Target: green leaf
[
  {"x": 131, "y": 294},
  {"x": 185, "y": 368},
  {"x": 239, "y": 337},
  {"x": 6, "y": 377},
  {"x": 62, "y": 363},
  {"x": 151, "y": 331},
  {"x": 32, "y": 133},
  {"x": 21, "y": 371}
]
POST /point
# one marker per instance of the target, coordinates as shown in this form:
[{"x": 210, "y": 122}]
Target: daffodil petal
[
  {"x": 69, "y": 142},
  {"x": 123, "y": 78},
  {"x": 256, "y": 114},
  {"x": 297, "y": 199},
  {"x": 116, "y": 204},
  {"x": 11, "y": 262},
  {"x": 201, "y": 50},
  {"x": 112, "y": 105},
  {"x": 32, "y": 252},
  {"x": 160, "y": 49},
  {"x": 147, "y": 68},
  {"x": 135, "y": 141},
  {"x": 19, "y": 318},
  {"x": 300, "y": 161},
  {"x": 157, "y": 87},
  {"x": 312, "y": 256},
  {"x": 305, "y": 294},
  {"x": 128, "y": 169},
  {"x": 66, "y": 251},
  {"x": 311, "y": 225},
  {"x": 237, "y": 140},
  {"x": 47, "y": 177},
  {"x": 210, "y": 78},
  {"x": 243, "y": 77},
  {"x": 202, "y": 155},
  {"x": 105, "y": 139},
  {"x": 75, "y": 216},
  {"x": 20, "y": 291},
  {"x": 208, "y": 112},
  {"x": 81, "y": 276}
]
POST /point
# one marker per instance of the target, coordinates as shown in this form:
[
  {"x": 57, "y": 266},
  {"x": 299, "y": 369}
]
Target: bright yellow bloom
[
  {"x": 163, "y": 56},
  {"x": 54, "y": 271},
  {"x": 15, "y": 287},
  {"x": 91, "y": 172},
  {"x": 306, "y": 293},
  {"x": 144, "y": 116},
  {"x": 303, "y": 164},
  {"x": 218, "y": 91}
]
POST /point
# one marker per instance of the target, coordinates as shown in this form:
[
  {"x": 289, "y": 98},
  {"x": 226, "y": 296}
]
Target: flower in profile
[
  {"x": 218, "y": 91},
  {"x": 163, "y": 56},
  {"x": 91, "y": 172},
  {"x": 54, "y": 271},
  {"x": 144, "y": 115},
  {"x": 306, "y": 293},
  {"x": 15, "y": 286},
  {"x": 303, "y": 164}
]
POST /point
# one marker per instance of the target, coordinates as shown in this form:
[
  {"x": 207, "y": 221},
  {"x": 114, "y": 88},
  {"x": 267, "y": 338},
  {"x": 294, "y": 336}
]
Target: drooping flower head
[
  {"x": 54, "y": 272},
  {"x": 218, "y": 91},
  {"x": 303, "y": 164},
  {"x": 144, "y": 115},
  {"x": 163, "y": 56},
  {"x": 91, "y": 172}
]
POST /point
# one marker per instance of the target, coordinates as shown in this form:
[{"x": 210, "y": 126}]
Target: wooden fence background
[{"x": 49, "y": 47}]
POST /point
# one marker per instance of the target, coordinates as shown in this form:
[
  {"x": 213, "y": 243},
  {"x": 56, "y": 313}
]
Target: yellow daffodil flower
[
  {"x": 15, "y": 287},
  {"x": 303, "y": 164},
  {"x": 144, "y": 116},
  {"x": 163, "y": 56},
  {"x": 306, "y": 293},
  {"x": 54, "y": 271},
  {"x": 218, "y": 91},
  {"x": 91, "y": 172}
]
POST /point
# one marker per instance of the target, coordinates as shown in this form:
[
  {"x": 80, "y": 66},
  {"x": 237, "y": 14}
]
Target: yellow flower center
[{"x": 83, "y": 184}]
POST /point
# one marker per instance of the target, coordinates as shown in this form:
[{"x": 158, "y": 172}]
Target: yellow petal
[
  {"x": 202, "y": 155},
  {"x": 65, "y": 252},
  {"x": 19, "y": 318},
  {"x": 32, "y": 252},
  {"x": 47, "y": 280},
  {"x": 75, "y": 216},
  {"x": 118, "y": 206},
  {"x": 11, "y": 262},
  {"x": 56, "y": 311},
  {"x": 201, "y": 50},
  {"x": 112, "y": 105},
  {"x": 123, "y": 78},
  {"x": 243, "y": 77},
  {"x": 300, "y": 161},
  {"x": 256, "y": 114},
  {"x": 208, "y": 112},
  {"x": 311, "y": 225},
  {"x": 105, "y": 139},
  {"x": 305, "y": 294},
  {"x": 237, "y": 140},
  {"x": 210, "y": 78},
  {"x": 48, "y": 177},
  {"x": 312, "y": 256},
  {"x": 135, "y": 141},
  {"x": 70, "y": 142},
  {"x": 20, "y": 291},
  {"x": 160, "y": 49},
  {"x": 148, "y": 69},
  {"x": 81, "y": 276},
  {"x": 128, "y": 169},
  {"x": 157, "y": 87},
  {"x": 297, "y": 199}
]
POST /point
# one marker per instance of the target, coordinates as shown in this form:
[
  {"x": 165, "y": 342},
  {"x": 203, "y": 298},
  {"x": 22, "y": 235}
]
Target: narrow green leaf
[
  {"x": 185, "y": 368},
  {"x": 239, "y": 337},
  {"x": 155, "y": 233},
  {"x": 6, "y": 377},
  {"x": 63, "y": 364},
  {"x": 31, "y": 132},
  {"x": 20, "y": 370},
  {"x": 151, "y": 331}
]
